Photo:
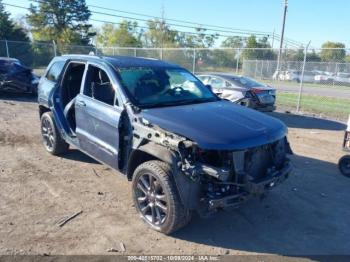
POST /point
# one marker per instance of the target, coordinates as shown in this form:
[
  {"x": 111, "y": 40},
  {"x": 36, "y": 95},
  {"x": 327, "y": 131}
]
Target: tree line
[{"x": 67, "y": 22}]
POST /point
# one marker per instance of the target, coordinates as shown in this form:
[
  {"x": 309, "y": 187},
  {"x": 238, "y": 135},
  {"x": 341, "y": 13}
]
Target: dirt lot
[{"x": 308, "y": 214}]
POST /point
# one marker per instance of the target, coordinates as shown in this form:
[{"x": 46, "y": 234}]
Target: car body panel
[
  {"x": 97, "y": 129},
  {"x": 235, "y": 127}
]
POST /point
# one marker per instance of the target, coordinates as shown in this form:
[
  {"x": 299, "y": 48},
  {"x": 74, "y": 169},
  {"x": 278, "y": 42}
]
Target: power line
[
  {"x": 176, "y": 20},
  {"x": 195, "y": 23},
  {"x": 145, "y": 20},
  {"x": 145, "y": 27},
  {"x": 170, "y": 24},
  {"x": 116, "y": 23}
]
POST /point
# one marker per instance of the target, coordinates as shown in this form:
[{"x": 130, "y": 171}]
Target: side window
[
  {"x": 98, "y": 86},
  {"x": 55, "y": 71},
  {"x": 217, "y": 83},
  {"x": 204, "y": 79}
]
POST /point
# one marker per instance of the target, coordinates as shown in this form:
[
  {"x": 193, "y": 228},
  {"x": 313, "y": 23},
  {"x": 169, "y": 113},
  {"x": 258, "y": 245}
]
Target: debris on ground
[
  {"x": 96, "y": 174},
  {"x": 112, "y": 250},
  {"x": 66, "y": 220},
  {"x": 122, "y": 247}
]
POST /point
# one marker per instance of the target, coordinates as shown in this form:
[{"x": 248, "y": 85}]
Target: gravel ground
[{"x": 308, "y": 214}]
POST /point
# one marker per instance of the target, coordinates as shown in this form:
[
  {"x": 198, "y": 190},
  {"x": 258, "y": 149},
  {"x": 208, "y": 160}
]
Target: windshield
[
  {"x": 245, "y": 82},
  {"x": 156, "y": 87}
]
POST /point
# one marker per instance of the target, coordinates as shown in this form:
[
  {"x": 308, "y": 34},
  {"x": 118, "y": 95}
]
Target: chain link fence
[{"x": 315, "y": 81}]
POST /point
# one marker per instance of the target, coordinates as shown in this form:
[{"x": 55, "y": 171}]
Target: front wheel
[
  {"x": 344, "y": 165},
  {"x": 156, "y": 198},
  {"x": 52, "y": 139}
]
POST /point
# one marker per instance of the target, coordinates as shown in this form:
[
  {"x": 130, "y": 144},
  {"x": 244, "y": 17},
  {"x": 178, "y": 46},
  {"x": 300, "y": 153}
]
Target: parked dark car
[
  {"x": 241, "y": 90},
  {"x": 183, "y": 148},
  {"x": 16, "y": 77}
]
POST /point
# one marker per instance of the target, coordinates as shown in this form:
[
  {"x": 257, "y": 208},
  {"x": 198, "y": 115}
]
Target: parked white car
[
  {"x": 296, "y": 75},
  {"x": 279, "y": 75},
  {"x": 324, "y": 78},
  {"x": 342, "y": 78}
]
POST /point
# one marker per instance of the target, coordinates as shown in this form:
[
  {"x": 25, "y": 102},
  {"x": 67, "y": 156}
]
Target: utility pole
[
  {"x": 162, "y": 32},
  {"x": 302, "y": 76},
  {"x": 282, "y": 35}
]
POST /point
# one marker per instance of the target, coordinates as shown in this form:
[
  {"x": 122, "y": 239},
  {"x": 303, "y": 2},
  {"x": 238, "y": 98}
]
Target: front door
[{"x": 97, "y": 117}]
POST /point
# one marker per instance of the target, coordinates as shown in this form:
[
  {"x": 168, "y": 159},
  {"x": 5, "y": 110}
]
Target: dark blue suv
[{"x": 183, "y": 148}]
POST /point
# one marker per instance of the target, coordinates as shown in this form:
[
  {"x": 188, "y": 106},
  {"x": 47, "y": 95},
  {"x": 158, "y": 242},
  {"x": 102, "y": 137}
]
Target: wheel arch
[
  {"x": 42, "y": 110},
  {"x": 147, "y": 152}
]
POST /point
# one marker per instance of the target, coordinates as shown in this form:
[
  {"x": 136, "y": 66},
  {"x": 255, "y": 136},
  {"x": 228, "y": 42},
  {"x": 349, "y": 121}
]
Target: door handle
[{"x": 81, "y": 103}]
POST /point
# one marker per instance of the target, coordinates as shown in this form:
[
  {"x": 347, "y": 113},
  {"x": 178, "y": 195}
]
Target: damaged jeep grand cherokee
[{"x": 184, "y": 149}]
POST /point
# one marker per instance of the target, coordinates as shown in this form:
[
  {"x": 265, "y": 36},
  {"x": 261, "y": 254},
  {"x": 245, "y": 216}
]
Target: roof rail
[{"x": 82, "y": 55}]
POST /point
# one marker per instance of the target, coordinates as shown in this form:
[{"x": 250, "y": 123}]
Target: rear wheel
[
  {"x": 344, "y": 165},
  {"x": 52, "y": 139},
  {"x": 156, "y": 198}
]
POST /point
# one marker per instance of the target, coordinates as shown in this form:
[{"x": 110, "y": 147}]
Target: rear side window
[{"x": 55, "y": 71}]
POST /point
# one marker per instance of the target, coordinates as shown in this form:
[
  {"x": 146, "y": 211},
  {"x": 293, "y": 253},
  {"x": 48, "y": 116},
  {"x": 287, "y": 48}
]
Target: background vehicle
[
  {"x": 294, "y": 75},
  {"x": 324, "y": 77},
  {"x": 145, "y": 118},
  {"x": 279, "y": 75},
  {"x": 15, "y": 77},
  {"x": 241, "y": 90},
  {"x": 342, "y": 78}
]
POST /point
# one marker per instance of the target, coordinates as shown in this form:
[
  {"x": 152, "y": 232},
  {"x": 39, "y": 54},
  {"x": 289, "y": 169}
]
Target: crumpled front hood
[{"x": 218, "y": 125}]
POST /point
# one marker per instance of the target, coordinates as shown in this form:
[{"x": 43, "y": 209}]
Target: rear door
[
  {"x": 226, "y": 90},
  {"x": 97, "y": 115}
]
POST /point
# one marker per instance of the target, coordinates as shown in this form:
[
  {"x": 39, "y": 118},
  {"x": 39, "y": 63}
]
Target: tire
[
  {"x": 52, "y": 140},
  {"x": 158, "y": 203},
  {"x": 344, "y": 165}
]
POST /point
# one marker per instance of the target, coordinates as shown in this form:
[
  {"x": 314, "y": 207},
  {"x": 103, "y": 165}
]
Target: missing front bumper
[{"x": 252, "y": 188}]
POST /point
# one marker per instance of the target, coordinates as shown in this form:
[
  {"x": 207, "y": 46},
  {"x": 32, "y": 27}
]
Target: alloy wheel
[
  {"x": 47, "y": 133},
  {"x": 151, "y": 199}
]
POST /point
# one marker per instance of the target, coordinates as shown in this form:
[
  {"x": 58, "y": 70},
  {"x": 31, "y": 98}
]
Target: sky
[{"x": 307, "y": 20}]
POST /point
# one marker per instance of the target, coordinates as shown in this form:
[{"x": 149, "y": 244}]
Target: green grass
[
  {"x": 327, "y": 106},
  {"x": 312, "y": 85}
]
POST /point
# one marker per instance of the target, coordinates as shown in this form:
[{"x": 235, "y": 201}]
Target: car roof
[
  {"x": 226, "y": 76},
  {"x": 125, "y": 61}
]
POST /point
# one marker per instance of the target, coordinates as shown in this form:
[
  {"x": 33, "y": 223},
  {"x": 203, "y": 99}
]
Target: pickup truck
[{"x": 183, "y": 148}]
